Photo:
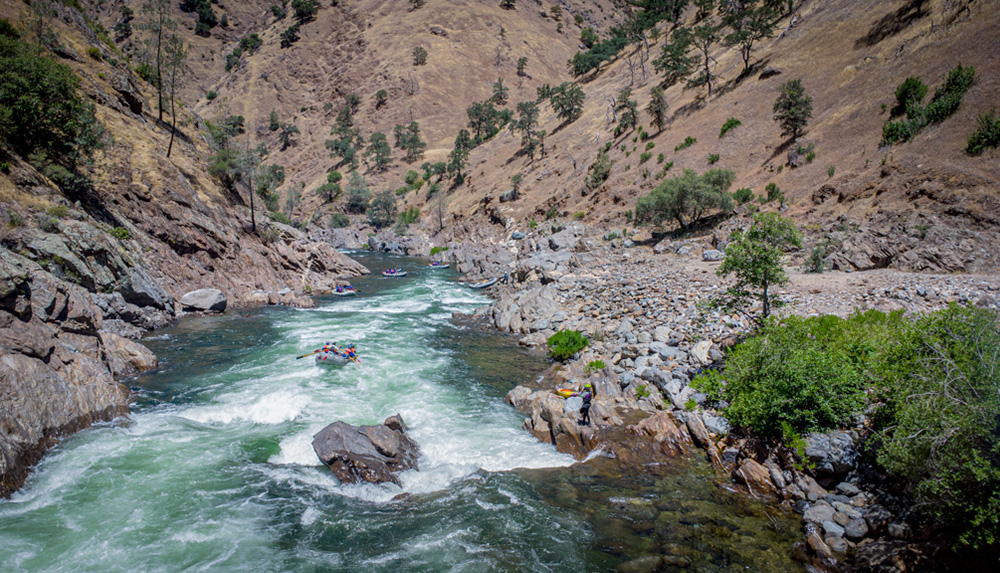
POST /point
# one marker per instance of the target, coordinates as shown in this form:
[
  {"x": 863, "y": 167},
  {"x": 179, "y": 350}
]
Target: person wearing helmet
[{"x": 588, "y": 395}]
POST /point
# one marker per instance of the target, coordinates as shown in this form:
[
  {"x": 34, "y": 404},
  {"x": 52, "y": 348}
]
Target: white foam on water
[
  {"x": 273, "y": 408},
  {"x": 297, "y": 449}
]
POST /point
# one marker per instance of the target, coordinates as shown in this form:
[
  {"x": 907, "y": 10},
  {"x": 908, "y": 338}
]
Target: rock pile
[{"x": 373, "y": 454}]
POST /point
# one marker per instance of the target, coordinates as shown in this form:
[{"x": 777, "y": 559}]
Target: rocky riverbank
[
  {"x": 639, "y": 306},
  {"x": 76, "y": 294}
]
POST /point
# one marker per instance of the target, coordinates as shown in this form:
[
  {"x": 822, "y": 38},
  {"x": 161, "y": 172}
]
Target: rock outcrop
[
  {"x": 373, "y": 454},
  {"x": 205, "y": 300}
]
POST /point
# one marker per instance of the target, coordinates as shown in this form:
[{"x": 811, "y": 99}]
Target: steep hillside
[{"x": 923, "y": 205}]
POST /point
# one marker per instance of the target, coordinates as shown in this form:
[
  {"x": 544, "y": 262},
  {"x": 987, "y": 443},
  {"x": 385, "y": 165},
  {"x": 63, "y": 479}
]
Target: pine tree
[
  {"x": 793, "y": 108},
  {"x": 158, "y": 22},
  {"x": 175, "y": 54},
  {"x": 567, "y": 101},
  {"x": 657, "y": 108},
  {"x": 379, "y": 150},
  {"x": 674, "y": 63}
]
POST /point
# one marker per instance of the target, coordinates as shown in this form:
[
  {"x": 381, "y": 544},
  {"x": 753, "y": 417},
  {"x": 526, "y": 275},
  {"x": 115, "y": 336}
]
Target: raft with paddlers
[
  {"x": 333, "y": 355},
  {"x": 396, "y": 272},
  {"x": 437, "y": 265},
  {"x": 344, "y": 290},
  {"x": 484, "y": 284}
]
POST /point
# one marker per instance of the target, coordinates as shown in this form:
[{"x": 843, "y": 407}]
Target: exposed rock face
[
  {"x": 373, "y": 454},
  {"x": 834, "y": 454},
  {"x": 206, "y": 299},
  {"x": 57, "y": 365}
]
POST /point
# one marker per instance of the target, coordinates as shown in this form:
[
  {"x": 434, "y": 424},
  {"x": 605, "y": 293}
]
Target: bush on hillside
[
  {"x": 987, "y": 134},
  {"x": 565, "y": 343}
]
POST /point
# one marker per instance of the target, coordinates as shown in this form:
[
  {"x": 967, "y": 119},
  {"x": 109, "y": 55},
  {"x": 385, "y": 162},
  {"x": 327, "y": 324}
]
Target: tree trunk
[
  {"x": 159, "y": 70},
  {"x": 766, "y": 304},
  {"x": 173, "y": 125}
]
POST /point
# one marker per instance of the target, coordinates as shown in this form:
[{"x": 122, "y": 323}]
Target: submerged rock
[{"x": 374, "y": 454}]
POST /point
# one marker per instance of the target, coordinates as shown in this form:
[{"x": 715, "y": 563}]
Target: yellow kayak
[{"x": 564, "y": 392}]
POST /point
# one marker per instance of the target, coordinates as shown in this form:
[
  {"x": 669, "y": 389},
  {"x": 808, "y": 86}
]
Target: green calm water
[{"x": 214, "y": 469}]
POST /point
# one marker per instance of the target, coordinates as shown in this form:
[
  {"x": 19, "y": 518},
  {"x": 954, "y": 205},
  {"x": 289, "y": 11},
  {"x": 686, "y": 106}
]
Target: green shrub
[
  {"x": 211, "y": 95},
  {"x": 910, "y": 93},
  {"x": 120, "y": 233},
  {"x": 938, "y": 424},
  {"x": 713, "y": 158},
  {"x": 595, "y": 366},
  {"x": 409, "y": 216},
  {"x": 270, "y": 234},
  {"x": 339, "y": 220},
  {"x": 4, "y": 167},
  {"x": 642, "y": 391},
  {"x": 815, "y": 262},
  {"x": 600, "y": 170},
  {"x": 579, "y": 215},
  {"x": 650, "y": 145},
  {"x": 532, "y": 224},
  {"x": 660, "y": 158},
  {"x": 644, "y": 157},
  {"x": 400, "y": 191},
  {"x": 94, "y": 52},
  {"x": 58, "y": 211},
  {"x": 688, "y": 142},
  {"x": 565, "y": 343},
  {"x": 14, "y": 219},
  {"x": 436, "y": 250},
  {"x": 802, "y": 372},
  {"x": 987, "y": 134},
  {"x": 731, "y": 124},
  {"x": 810, "y": 156},
  {"x": 773, "y": 191},
  {"x": 831, "y": 170},
  {"x": 743, "y": 195}
]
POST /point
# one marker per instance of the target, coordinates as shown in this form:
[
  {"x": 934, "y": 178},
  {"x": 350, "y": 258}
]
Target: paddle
[{"x": 310, "y": 354}]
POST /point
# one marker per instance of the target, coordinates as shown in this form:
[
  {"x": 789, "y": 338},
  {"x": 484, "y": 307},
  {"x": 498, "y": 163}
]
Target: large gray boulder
[
  {"x": 206, "y": 299},
  {"x": 141, "y": 290},
  {"x": 833, "y": 454},
  {"x": 371, "y": 454}
]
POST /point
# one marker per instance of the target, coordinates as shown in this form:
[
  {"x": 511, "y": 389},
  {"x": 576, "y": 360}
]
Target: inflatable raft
[
  {"x": 484, "y": 284},
  {"x": 330, "y": 359},
  {"x": 393, "y": 273},
  {"x": 439, "y": 265}
]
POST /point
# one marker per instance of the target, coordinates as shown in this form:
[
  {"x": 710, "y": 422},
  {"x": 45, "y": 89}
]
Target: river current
[{"x": 214, "y": 469}]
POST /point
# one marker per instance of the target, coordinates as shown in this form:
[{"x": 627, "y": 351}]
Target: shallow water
[{"x": 214, "y": 469}]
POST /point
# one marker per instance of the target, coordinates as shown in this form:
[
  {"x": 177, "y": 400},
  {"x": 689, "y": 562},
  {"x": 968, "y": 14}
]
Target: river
[{"x": 214, "y": 468}]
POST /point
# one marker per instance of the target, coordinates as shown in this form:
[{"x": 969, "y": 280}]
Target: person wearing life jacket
[
  {"x": 350, "y": 352},
  {"x": 588, "y": 395}
]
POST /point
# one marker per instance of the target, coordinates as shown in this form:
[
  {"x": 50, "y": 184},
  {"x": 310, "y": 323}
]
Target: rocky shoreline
[{"x": 639, "y": 306}]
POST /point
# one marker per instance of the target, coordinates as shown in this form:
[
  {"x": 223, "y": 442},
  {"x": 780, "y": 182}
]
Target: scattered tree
[
  {"x": 749, "y": 24},
  {"x": 704, "y": 37},
  {"x": 382, "y": 211},
  {"x": 627, "y": 110},
  {"x": 567, "y": 101},
  {"x": 408, "y": 139},
  {"x": 674, "y": 63},
  {"x": 286, "y": 131},
  {"x": 347, "y": 139},
  {"x": 381, "y": 98},
  {"x": 522, "y": 66},
  {"x": 379, "y": 150},
  {"x": 793, "y": 108},
  {"x": 357, "y": 193},
  {"x": 459, "y": 154},
  {"x": 500, "y": 92},
  {"x": 657, "y": 108},
  {"x": 305, "y": 10},
  {"x": 419, "y": 56},
  {"x": 290, "y": 36},
  {"x": 686, "y": 198},
  {"x": 174, "y": 53},
  {"x": 483, "y": 119},
  {"x": 754, "y": 256},
  {"x": 157, "y": 23}
]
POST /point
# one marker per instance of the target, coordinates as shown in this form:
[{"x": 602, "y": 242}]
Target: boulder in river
[
  {"x": 206, "y": 299},
  {"x": 374, "y": 454}
]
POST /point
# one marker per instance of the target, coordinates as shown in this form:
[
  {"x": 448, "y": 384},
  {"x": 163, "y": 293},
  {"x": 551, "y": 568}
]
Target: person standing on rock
[{"x": 588, "y": 394}]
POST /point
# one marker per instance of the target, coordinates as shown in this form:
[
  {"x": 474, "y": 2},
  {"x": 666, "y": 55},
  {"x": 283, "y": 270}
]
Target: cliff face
[{"x": 89, "y": 264}]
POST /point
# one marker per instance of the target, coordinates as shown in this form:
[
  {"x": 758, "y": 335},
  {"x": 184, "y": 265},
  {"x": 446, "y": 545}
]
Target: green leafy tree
[
  {"x": 123, "y": 28},
  {"x": 500, "y": 92},
  {"x": 483, "y": 119},
  {"x": 674, "y": 62},
  {"x": 627, "y": 110},
  {"x": 41, "y": 109},
  {"x": 459, "y": 155},
  {"x": 290, "y": 36},
  {"x": 705, "y": 36},
  {"x": 358, "y": 194},
  {"x": 686, "y": 198},
  {"x": 347, "y": 138},
  {"x": 522, "y": 66},
  {"x": 754, "y": 258},
  {"x": 381, "y": 98},
  {"x": 305, "y": 10},
  {"x": 273, "y": 122},
  {"x": 748, "y": 25},
  {"x": 285, "y": 133},
  {"x": 657, "y": 108},
  {"x": 419, "y": 56},
  {"x": 408, "y": 139},
  {"x": 269, "y": 178},
  {"x": 526, "y": 123},
  {"x": 793, "y": 108},
  {"x": 567, "y": 101},
  {"x": 588, "y": 37},
  {"x": 382, "y": 211},
  {"x": 379, "y": 150}
]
